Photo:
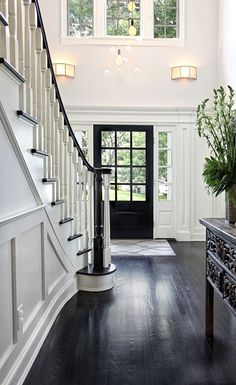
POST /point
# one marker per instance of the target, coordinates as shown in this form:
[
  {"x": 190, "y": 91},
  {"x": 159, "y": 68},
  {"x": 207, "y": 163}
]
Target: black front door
[{"x": 128, "y": 150}]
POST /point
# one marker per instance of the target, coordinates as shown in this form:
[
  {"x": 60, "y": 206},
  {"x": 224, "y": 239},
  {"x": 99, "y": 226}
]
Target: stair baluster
[
  {"x": 80, "y": 195},
  {"x": 48, "y": 111},
  {"x": 75, "y": 187},
  {"x": 21, "y": 53},
  {"x": 57, "y": 184},
  {"x": 85, "y": 207},
  {"x": 4, "y": 32},
  {"x": 66, "y": 141},
  {"x": 12, "y": 20},
  {"x": 70, "y": 180},
  {"x": 39, "y": 127},
  {"x": 33, "y": 26},
  {"x": 44, "y": 105},
  {"x": 52, "y": 102},
  {"x": 27, "y": 47}
]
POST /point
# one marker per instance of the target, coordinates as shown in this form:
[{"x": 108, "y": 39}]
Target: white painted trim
[
  {"x": 96, "y": 283},
  {"x": 23, "y": 364},
  {"x": 99, "y": 28},
  {"x": 16, "y": 148},
  {"x": 23, "y": 214},
  {"x": 124, "y": 111},
  {"x": 9, "y": 74},
  {"x": 126, "y": 40}
]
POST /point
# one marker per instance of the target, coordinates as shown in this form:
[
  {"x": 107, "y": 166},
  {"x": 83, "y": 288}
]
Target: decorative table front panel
[{"x": 220, "y": 266}]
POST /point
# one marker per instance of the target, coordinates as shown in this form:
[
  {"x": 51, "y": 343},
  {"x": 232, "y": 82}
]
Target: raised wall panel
[
  {"x": 54, "y": 266},
  {"x": 6, "y": 305},
  {"x": 29, "y": 268}
]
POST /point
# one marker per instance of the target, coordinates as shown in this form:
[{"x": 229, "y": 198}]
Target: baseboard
[
  {"x": 199, "y": 237},
  {"x": 22, "y": 365},
  {"x": 184, "y": 236}
]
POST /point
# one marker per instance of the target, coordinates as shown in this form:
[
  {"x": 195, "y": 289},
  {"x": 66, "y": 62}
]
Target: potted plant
[{"x": 217, "y": 126}]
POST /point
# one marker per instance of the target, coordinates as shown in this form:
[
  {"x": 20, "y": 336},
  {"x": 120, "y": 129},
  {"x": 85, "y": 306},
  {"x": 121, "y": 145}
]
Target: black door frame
[{"x": 144, "y": 207}]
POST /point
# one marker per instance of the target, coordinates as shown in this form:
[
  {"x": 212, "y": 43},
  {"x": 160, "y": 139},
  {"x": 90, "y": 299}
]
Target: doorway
[{"x": 128, "y": 151}]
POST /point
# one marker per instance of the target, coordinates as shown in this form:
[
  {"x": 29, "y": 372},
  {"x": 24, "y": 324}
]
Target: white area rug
[{"x": 141, "y": 247}]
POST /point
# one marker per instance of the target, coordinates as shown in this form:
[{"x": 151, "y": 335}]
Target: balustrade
[{"x": 24, "y": 45}]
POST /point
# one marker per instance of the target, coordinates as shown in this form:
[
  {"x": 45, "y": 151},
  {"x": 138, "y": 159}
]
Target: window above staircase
[{"x": 105, "y": 22}]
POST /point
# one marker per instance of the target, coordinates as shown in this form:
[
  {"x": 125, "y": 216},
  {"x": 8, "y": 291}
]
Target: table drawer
[
  {"x": 222, "y": 250},
  {"x": 215, "y": 274}
]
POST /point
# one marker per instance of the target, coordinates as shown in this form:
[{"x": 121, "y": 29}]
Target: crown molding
[{"x": 136, "y": 115}]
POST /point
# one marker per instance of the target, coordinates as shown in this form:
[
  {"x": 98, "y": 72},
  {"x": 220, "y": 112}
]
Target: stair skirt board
[
  {"x": 91, "y": 281},
  {"x": 7, "y": 67}
]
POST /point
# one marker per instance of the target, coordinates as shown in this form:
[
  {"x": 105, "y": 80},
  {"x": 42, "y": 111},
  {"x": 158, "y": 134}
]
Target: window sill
[{"x": 175, "y": 42}]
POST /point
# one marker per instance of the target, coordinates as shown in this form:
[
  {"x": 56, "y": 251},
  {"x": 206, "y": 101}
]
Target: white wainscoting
[
  {"x": 36, "y": 280},
  {"x": 180, "y": 218}
]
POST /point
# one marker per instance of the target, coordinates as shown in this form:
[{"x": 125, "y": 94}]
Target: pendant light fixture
[
  {"x": 119, "y": 60},
  {"x": 131, "y": 6},
  {"x": 132, "y": 29}
]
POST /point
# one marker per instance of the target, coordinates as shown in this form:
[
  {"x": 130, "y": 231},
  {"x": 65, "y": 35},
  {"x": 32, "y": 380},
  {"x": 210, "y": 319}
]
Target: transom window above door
[
  {"x": 125, "y": 153},
  {"x": 90, "y": 21}
]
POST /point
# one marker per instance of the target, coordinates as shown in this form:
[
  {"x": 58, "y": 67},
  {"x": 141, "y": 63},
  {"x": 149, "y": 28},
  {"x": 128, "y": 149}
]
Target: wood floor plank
[{"x": 148, "y": 330}]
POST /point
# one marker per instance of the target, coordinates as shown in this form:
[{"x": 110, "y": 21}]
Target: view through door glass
[{"x": 128, "y": 151}]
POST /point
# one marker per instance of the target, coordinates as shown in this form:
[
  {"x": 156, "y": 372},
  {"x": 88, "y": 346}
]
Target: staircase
[{"x": 65, "y": 192}]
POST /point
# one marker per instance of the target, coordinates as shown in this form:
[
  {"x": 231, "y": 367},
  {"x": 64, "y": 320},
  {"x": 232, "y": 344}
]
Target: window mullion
[
  {"x": 147, "y": 19},
  {"x": 99, "y": 18}
]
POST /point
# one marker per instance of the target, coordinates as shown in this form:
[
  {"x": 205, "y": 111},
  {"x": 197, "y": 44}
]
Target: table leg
[{"x": 209, "y": 310}]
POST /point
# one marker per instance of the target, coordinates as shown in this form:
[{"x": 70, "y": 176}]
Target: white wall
[
  {"x": 180, "y": 218},
  {"x": 226, "y": 43},
  {"x": 152, "y": 86}
]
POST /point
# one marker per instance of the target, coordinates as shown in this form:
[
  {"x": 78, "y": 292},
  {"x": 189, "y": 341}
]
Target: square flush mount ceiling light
[
  {"x": 64, "y": 69},
  {"x": 184, "y": 72}
]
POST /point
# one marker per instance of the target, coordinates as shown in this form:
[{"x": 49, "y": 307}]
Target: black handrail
[{"x": 58, "y": 96}]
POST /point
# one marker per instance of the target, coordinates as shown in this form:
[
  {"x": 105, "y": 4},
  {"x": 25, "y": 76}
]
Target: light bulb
[
  {"x": 132, "y": 29},
  {"x": 131, "y": 6},
  {"x": 119, "y": 61}
]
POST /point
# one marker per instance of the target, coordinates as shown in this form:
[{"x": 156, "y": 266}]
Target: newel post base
[{"x": 98, "y": 276}]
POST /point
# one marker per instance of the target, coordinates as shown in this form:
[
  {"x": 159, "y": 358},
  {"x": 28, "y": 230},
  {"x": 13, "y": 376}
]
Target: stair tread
[
  {"x": 3, "y": 20},
  {"x": 10, "y": 69},
  {"x": 49, "y": 180},
  {"x": 58, "y": 202},
  {"x": 66, "y": 220},
  {"x": 26, "y": 117},
  {"x": 80, "y": 252},
  {"x": 75, "y": 236},
  {"x": 39, "y": 153}
]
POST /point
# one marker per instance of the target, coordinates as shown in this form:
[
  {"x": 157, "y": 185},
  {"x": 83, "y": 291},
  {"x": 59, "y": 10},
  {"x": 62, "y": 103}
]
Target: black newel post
[
  {"x": 98, "y": 244},
  {"x": 98, "y": 227}
]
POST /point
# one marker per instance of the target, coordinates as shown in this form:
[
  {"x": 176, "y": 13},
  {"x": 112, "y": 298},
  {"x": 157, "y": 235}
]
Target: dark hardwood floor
[{"x": 149, "y": 330}]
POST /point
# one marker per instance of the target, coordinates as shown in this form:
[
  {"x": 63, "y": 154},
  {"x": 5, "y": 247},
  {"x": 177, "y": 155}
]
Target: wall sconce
[
  {"x": 184, "y": 72},
  {"x": 64, "y": 69}
]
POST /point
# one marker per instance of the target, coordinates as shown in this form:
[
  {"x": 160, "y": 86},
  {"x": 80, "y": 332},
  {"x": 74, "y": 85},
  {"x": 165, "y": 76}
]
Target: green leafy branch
[{"x": 218, "y": 128}]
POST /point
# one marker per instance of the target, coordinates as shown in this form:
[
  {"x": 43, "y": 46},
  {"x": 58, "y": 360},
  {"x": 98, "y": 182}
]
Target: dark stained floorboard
[{"x": 149, "y": 330}]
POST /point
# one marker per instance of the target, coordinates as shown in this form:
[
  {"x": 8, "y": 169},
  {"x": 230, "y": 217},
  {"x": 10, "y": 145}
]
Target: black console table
[{"x": 220, "y": 266}]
